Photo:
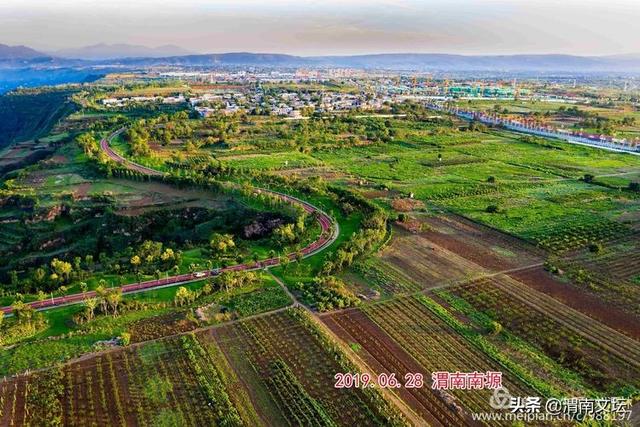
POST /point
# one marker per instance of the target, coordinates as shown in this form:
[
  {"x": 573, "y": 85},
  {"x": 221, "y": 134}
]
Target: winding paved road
[{"x": 328, "y": 235}]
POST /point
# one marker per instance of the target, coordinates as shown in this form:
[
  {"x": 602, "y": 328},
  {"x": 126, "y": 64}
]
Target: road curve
[{"x": 328, "y": 235}]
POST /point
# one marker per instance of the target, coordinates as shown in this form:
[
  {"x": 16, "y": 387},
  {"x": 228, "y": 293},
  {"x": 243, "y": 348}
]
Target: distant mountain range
[
  {"x": 112, "y": 51},
  {"x": 407, "y": 61},
  {"x": 18, "y": 52},
  {"x": 140, "y": 56}
]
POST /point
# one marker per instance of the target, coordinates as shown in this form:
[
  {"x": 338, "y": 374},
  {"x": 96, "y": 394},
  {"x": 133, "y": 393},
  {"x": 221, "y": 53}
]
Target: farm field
[
  {"x": 203, "y": 379},
  {"x": 421, "y": 264},
  {"x": 383, "y": 355},
  {"x": 606, "y": 360},
  {"x": 202, "y": 262},
  {"x": 169, "y": 382},
  {"x": 487, "y": 247},
  {"x": 293, "y": 364},
  {"x": 537, "y": 192},
  {"x": 404, "y": 336},
  {"x": 595, "y": 302},
  {"x": 615, "y": 262},
  {"x": 438, "y": 250}
]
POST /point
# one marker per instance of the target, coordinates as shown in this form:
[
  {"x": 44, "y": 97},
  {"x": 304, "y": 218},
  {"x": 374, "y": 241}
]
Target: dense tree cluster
[
  {"x": 327, "y": 293},
  {"x": 229, "y": 280},
  {"x": 374, "y": 228},
  {"x": 24, "y": 323}
]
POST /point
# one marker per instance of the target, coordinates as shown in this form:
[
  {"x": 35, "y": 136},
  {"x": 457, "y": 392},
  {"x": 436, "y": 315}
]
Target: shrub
[
  {"x": 588, "y": 177},
  {"x": 494, "y": 328},
  {"x": 595, "y": 247},
  {"x": 125, "y": 338}
]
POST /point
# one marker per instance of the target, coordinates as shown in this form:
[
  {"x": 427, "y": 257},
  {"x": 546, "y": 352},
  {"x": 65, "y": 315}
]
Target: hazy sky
[{"x": 310, "y": 27}]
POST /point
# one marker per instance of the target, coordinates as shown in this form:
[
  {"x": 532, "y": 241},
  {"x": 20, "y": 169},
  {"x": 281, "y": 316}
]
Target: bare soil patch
[
  {"x": 541, "y": 280},
  {"x": 406, "y": 204},
  {"x": 482, "y": 245},
  {"x": 418, "y": 259}
]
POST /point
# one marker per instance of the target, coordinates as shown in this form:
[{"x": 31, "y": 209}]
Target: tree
[
  {"x": 114, "y": 296},
  {"x": 150, "y": 251},
  {"x": 285, "y": 234},
  {"x": 135, "y": 262},
  {"x": 207, "y": 289},
  {"x": 1, "y": 317},
  {"x": 61, "y": 268},
  {"x": 101, "y": 292},
  {"x": 168, "y": 255},
  {"x": 90, "y": 305},
  {"x": 83, "y": 287},
  {"x": 125, "y": 338},
  {"x": 595, "y": 247},
  {"x": 88, "y": 260},
  {"x": 13, "y": 277},
  {"x": 41, "y": 296},
  {"x": 221, "y": 242},
  {"x": 182, "y": 296},
  {"x": 54, "y": 279},
  {"x": 24, "y": 312},
  {"x": 226, "y": 281},
  {"x": 39, "y": 274},
  {"x": 284, "y": 262},
  {"x": 494, "y": 327}
]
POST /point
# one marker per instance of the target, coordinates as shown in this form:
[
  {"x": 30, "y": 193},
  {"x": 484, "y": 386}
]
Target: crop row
[
  {"x": 387, "y": 278},
  {"x": 281, "y": 340},
  {"x": 436, "y": 346},
  {"x": 13, "y": 398},
  {"x": 575, "y": 340},
  {"x": 387, "y": 357},
  {"x": 298, "y": 407},
  {"x": 136, "y": 386},
  {"x": 210, "y": 382},
  {"x": 570, "y": 235}
]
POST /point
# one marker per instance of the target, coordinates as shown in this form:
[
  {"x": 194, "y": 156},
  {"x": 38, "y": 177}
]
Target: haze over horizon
[{"x": 330, "y": 27}]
